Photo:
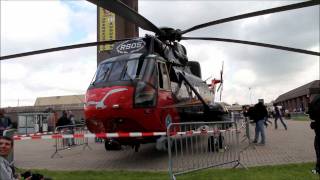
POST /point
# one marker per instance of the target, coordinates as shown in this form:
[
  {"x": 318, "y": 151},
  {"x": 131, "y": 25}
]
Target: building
[
  {"x": 54, "y": 104},
  {"x": 297, "y": 99}
]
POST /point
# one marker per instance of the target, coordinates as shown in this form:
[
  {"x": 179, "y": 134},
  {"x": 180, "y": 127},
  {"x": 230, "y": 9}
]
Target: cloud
[
  {"x": 53, "y": 75},
  {"x": 34, "y": 22},
  {"x": 58, "y": 73}
]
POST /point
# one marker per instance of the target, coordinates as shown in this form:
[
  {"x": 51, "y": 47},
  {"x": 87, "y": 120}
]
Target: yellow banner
[{"x": 107, "y": 28}]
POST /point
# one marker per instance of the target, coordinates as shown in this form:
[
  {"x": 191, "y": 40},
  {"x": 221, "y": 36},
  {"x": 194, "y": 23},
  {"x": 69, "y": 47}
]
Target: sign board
[{"x": 107, "y": 28}]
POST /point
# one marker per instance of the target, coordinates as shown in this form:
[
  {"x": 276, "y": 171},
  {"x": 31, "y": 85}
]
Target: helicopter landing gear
[
  {"x": 112, "y": 145},
  {"x": 136, "y": 147}
]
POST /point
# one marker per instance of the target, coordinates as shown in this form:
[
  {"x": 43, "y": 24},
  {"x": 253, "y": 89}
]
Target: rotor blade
[
  {"x": 221, "y": 93},
  {"x": 219, "y": 87},
  {"x": 127, "y": 13},
  {"x": 221, "y": 73},
  {"x": 59, "y": 49},
  {"x": 254, "y": 44},
  {"x": 253, "y": 14}
]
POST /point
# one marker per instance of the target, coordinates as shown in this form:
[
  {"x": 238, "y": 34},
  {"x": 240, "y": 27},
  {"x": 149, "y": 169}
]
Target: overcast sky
[{"x": 32, "y": 25}]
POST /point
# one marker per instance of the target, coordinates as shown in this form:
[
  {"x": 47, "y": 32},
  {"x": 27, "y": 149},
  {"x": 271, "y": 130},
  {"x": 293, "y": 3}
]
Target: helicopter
[{"x": 149, "y": 82}]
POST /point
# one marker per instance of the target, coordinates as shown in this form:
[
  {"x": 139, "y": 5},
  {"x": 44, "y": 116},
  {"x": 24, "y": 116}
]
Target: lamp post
[{"x": 250, "y": 95}]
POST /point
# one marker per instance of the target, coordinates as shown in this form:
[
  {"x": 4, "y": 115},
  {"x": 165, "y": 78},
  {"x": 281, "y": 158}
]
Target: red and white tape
[
  {"x": 204, "y": 131},
  {"x": 90, "y": 135},
  {"x": 51, "y": 135},
  {"x": 34, "y": 134}
]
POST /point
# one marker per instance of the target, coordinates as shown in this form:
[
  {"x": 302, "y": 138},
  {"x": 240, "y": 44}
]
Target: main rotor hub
[{"x": 169, "y": 34}]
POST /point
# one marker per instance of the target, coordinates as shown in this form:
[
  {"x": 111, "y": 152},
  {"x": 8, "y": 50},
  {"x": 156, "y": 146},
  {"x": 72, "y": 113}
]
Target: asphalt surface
[{"x": 294, "y": 145}]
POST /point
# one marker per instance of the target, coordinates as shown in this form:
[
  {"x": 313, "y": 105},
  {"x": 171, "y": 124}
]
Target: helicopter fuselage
[{"x": 142, "y": 92}]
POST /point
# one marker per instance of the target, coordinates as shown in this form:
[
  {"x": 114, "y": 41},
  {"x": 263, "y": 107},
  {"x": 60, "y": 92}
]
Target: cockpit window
[
  {"x": 133, "y": 69},
  {"x": 123, "y": 70},
  {"x": 117, "y": 69},
  {"x": 103, "y": 73}
]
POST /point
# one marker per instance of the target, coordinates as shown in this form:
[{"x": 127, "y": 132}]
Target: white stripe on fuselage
[{"x": 100, "y": 104}]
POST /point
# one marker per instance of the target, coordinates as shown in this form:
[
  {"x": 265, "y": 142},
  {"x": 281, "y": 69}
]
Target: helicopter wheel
[
  {"x": 136, "y": 147},
  {"x": 112, "y": 145}
]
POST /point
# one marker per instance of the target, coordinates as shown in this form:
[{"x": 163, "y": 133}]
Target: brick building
[{"x": 297, "y": 99}]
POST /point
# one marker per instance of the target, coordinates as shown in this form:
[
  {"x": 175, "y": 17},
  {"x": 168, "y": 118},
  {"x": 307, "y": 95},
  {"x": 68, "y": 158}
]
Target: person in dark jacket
[
  {"x": 277, "y": 115},
  {"x": 63, "y": 120},
  {"x": 314, "y": 115},
  {"x": 5, "y": 122},
  {"x": 250, "y": 114},
  {"x": 260, "y": 113}
]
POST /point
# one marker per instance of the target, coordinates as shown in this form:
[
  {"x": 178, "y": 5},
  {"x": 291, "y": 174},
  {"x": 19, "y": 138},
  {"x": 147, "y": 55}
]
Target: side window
[{"x": 164, "y": 80}]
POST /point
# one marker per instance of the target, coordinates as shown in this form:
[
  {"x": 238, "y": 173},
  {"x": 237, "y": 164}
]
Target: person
[
  {"x": 72, "y": 119},
  {"x": 250, "y": 114},
  {"x": 266, "y": 121},
  {"x": 5, "y": 122},
  {"x": 64, "y": 121},
  {"x": 259, "y": 115},
  {"x": 6, "y": 171},
  {"x": 277, "y": 115},
  {"x": 245, "y": 111},
  {"x": 73, "y": 123},
  {"x": 314, "y": 115}
]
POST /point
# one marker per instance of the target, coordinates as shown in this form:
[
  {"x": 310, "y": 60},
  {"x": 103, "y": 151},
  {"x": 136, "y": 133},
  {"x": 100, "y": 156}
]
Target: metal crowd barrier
[
  {"x": 201, "y": 145},
  {"x": 236, "y": 116},
  {"x": 248, "y": 133},
  {"x": 68, "y": 143},
  {"x": 10, "y": 133}
]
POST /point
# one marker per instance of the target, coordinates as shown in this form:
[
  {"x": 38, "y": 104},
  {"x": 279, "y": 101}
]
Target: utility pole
[{"x": 250, "y": 95}]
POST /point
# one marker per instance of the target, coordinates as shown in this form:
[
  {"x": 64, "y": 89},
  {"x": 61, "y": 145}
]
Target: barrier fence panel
[
  {"x": 77, "y": 138},
  {"x": 200, "y": 145},
  {"x": 248, "y": 128}
]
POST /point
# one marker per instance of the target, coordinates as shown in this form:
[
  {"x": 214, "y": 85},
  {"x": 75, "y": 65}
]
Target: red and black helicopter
[{"x": 149, "y": 82}]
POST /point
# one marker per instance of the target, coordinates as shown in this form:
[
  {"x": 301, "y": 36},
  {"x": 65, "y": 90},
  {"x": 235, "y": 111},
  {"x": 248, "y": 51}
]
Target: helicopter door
[{"x": 164, "y": 94}]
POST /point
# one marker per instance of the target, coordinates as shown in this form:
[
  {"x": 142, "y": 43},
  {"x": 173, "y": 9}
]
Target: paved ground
[{"x": 292, "y": 146}]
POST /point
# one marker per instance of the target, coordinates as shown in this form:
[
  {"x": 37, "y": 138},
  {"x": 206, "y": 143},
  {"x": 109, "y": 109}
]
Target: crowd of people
[{"x": 258, "y": 114}]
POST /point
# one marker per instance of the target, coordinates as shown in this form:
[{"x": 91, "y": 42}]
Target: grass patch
[
  {"x": 301, "y": 118},
  {"x": 279, "y": 172}
]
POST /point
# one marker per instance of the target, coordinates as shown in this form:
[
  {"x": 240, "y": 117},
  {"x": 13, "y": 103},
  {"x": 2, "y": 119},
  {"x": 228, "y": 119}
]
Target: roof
[
  {"x": 235, "y": 108},
  {"x": 59, "y": 100},
  {"x": 300, "y": 91}
]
